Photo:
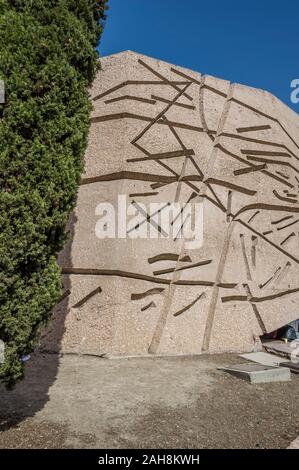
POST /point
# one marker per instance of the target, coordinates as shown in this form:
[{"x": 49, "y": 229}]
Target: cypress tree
[{"x": 48, "y": 59}]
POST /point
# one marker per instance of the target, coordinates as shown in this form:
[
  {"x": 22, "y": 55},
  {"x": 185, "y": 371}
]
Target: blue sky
[{"x": 254, "y": 42}]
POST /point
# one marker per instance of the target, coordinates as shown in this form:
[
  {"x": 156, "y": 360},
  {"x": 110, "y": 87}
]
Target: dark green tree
[{"x": 48, "y": 59}]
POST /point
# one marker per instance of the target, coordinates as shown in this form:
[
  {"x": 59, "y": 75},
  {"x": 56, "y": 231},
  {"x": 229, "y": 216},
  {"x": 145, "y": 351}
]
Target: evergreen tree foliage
[{"x": 48, "y": 59}]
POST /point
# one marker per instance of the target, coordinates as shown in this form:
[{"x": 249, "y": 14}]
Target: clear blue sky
[{"x": 252, "y": 42}]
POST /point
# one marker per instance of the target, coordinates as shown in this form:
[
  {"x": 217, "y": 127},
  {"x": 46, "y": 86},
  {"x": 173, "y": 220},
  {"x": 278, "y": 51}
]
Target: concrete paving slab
[
  {"x": 281, "y": 348},
  {"x": 257, "y": 373},
  {"x": 293, "y": 366},
  {"x": 263, "y": 358}
]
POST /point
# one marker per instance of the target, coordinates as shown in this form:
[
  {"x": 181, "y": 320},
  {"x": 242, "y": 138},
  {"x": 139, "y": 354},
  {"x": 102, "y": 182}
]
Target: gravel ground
[{"x": 182, "y": 402}]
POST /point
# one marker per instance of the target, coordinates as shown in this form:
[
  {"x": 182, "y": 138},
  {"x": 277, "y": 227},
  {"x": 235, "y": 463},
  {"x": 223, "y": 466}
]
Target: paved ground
[{"x": 86, "y": 402}]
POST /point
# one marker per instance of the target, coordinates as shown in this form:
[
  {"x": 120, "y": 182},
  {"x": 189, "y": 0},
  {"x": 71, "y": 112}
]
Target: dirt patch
[
  {"x": 233, "y": 414},
  {"x": 145, "y": 403},
  {"x": 28, "y": 434}
]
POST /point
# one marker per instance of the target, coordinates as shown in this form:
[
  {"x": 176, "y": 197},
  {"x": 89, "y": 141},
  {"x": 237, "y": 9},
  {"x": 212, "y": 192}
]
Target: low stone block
[
  {"x": 293, "y": 366},
  {"x": 264, "y": 359},
  {"x": 257, "y": 373}
]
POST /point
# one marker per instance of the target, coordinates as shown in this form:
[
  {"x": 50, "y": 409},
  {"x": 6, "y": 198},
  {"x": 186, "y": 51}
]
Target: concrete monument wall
[{"x": 162, "y": 133}]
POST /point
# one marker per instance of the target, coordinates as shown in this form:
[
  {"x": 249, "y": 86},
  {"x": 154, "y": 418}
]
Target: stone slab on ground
[
  {"x": 293, "y": 366},
  {"x": 280, "y": 347},
  {"x": 257, "y": 373},
  {"x": 264, "y": 359}
]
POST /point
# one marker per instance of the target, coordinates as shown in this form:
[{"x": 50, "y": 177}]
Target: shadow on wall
[{"x": 31, "y": 395}]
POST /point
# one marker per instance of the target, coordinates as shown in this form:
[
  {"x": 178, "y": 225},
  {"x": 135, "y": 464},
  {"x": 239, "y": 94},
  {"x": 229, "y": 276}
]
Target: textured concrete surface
[
  {"x": 280, "y": 348},
  {"x": 293, "y": 366},
  {"x": 87, "y": 402},
  {"x": 161, "y": 133},
  {"x": 263, "y": 358},
  {"x": 257, "y": 373}
]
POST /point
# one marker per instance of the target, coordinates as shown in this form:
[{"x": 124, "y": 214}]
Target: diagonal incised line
[
  {"x": 163, "y": 155},
  {"x": 148, "y": 218},
  {"x": 160, "y": 114},
  {"x": 172, "y": 83},
  {"x": 181, "y": 143},
  {"x": 163, "y": 79}
]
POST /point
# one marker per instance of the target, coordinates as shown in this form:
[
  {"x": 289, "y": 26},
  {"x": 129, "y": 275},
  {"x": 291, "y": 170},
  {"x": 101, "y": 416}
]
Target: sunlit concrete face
[{"x": 162, "y": 133}]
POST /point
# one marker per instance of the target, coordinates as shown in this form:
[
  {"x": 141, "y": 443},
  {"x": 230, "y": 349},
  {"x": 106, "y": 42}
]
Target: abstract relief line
[
  {"x": 254, "y": 109},
  {"x": 163, "y": 79},
  {"x": 202, "y": 110},
  {"x": 142, "y": 295},
  {"x": 141, "y": 277},
  {"x": 136, "y": 82},
  {"x": 255, "y": 310},
  {"x": 283, "y": 219},
  {"x": 253, "y": 299},
  {"x": 287, "y": 239},
  {"x": 272, "y": 162},
  {"x": 253, "y": 128},
  {"x": 248, "y": 163},
  {"x": 161, "y": 113},
  {"x": 283, "y": 273},
  {"x": 164, "y": 155},
  {"x": 144, "y": 194},
  {"x": 272, "y": 278},
  {"x": 150, "y": 305},
  {"x": 131, "y": 175},
  {"x": 246, "y": 263},
  {"x": 254, "y": 244},
  {"x": 282, "y": 198},
  {"x": 130, "y": 97},
  {"x": 282, "y": 175},
  {"x": 149, "y": 218},
  {"x": 245, "y": 105},
  {"x": 181, "y": 105},
  {"x": 168, "y": 257},
  {"x": 140, "y": 117},
  {"x": 91, "y": 294},
  {"x": 259, "y": 141},
  {"x": 183, "y": 268},
  {"x": 274, "y": 245},
  {"x": 185, "y": 309},
  {"x": 250, "y": 169},
  {"x": 288, "y": 225},
  {"x": 253, "y": 216}
]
